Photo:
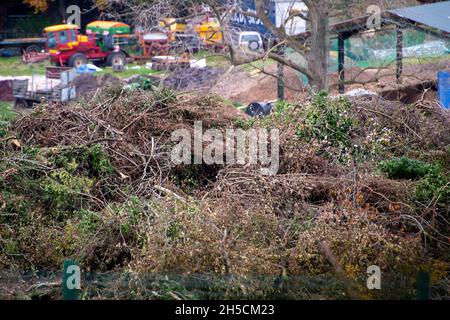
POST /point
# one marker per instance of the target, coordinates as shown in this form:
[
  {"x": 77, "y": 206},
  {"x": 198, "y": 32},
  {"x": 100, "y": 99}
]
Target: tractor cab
[{"x": 63, "y": 37}]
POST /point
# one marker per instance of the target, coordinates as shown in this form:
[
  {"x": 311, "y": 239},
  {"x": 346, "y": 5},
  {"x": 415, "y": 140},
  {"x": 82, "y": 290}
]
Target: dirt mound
[
  {"x": 87, "y": 83},
  {"x": 192, "y": 78},
  {"x": 241, "y": 87},
  {"x": 385, "y": 80}
]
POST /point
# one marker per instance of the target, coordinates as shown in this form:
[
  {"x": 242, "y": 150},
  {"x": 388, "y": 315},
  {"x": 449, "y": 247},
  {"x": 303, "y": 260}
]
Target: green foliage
[
  {"x": 6, "y": 115},
  {"x": 88, "y": 221},
  {"x": 405, "y": 168},
  {"x": 275, "y": 236},
  {"x": 434, "y": 189},
  {"x": 99, "y": 160},
  {"x": 6, "y": 112},
  {"x": 146, "y": 84},
  {"x": 143, "y": 83},
  {"x": 164, "y": 96},
  {"x": 67, "y": 163},
  {"x": 62, "y": 189},
  {"x": 330, "y": 122},
  {"x": 94, "y": 159},
  {"x": 3, "y": 127},
  {"x": 434, "y": 185},
  {"x": 11, "y": 247},
  {"x": 14, "y": 206},
  {"x": 281, "y": 106},
  {"x": 245, "y": 124},
  {"x": 173, "y": 231},
  {"x": 327, "y": 120},
  {"x": 131, "y": 212}
]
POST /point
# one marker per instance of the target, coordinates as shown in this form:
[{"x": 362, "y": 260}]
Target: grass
[
  {"x": 407, "y": 61},
  {"x": 217, "y": 61},
  {"x": 259, "y": 64},
  {"x": 6, "y": 115},
  {"x": 6, "y": 112},
  {"x": 212, "y": 59},
  {"x": 15, "y": 67},
  {"x": 425, "y": 59}
]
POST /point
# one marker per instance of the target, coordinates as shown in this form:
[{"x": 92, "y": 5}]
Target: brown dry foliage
[{"x": 239, "y": 222}]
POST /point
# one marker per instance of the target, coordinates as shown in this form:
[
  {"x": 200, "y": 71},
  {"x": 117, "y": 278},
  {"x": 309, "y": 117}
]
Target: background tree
[
  {"x": 38, "y": 5},
  {"x": 61, "y": 5},
  {"x": 312, "y": 50}
]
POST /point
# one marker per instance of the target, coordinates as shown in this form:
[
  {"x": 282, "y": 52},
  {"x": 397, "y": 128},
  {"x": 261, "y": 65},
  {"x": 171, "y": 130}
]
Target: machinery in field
[
  {"x": 152, "y": 44},
  {"x": 24, "y": 44},
  {"x": 210, "y": 32},
  {"x": 172, "y": 27},
  {"x": 206, "y": 31},
  {"x": 101, "y": 43}
]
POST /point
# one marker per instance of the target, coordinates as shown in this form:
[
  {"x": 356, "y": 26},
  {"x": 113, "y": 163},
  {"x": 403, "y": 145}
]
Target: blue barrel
[{"x": 444, "y": 88}]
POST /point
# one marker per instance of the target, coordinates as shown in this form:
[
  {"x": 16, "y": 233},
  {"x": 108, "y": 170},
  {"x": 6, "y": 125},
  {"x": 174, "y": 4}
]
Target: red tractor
[{"x": 101, "y": 44}]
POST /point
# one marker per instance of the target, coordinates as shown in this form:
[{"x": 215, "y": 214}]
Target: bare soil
[{"x": 240, "y": 86}]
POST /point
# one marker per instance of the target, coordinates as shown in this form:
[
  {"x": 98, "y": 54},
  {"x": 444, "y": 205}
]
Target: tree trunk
[
  {"x": 3, "y": 16},
  {"x": 320, "y": 45},
  {"x": 62, "y": 10}
]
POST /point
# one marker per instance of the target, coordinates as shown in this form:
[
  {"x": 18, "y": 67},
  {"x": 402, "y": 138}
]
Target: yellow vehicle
[
  {"x": 63, "y": 37},
  {"x": 209, "y": 32},
  {"x": 207, "y": 29},
  {"x": 172, "y": 27}
]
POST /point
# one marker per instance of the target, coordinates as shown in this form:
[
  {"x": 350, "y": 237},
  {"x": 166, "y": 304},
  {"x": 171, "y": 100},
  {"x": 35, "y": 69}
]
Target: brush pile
[{"x": 360, "y": 182}]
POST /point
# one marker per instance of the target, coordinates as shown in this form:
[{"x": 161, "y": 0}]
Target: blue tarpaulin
[
  {"x": 86, "y": 68},
  {"x": 444, "y": 88}
]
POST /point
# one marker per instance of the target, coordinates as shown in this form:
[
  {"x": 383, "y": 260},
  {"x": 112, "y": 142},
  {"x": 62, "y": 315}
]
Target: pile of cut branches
[{"x": 361, "y": 182}]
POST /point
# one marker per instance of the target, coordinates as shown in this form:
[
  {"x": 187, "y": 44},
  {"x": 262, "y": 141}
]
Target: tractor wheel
[
  {"x": 21, "y": 104},
  {"x": 77, "y": 60},
  {"x": 33, "y": 48},
  {"x": 115, "y": 59}
]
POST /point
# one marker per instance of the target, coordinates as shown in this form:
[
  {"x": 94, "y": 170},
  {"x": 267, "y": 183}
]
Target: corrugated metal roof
[{"x": 435, "y": 15}]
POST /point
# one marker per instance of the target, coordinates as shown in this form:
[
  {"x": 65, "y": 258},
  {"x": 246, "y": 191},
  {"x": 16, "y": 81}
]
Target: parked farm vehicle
[
  {"x": 101, "y": 44},
  {"x": 152, "y": 44},
  {"x": 210, "y": 33},
  {"x": 202, "y": 31},
  {"x": 172, "y": 27},
  {"x": 62, "y": 92},
  {"x": 25, "y": 45}
]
